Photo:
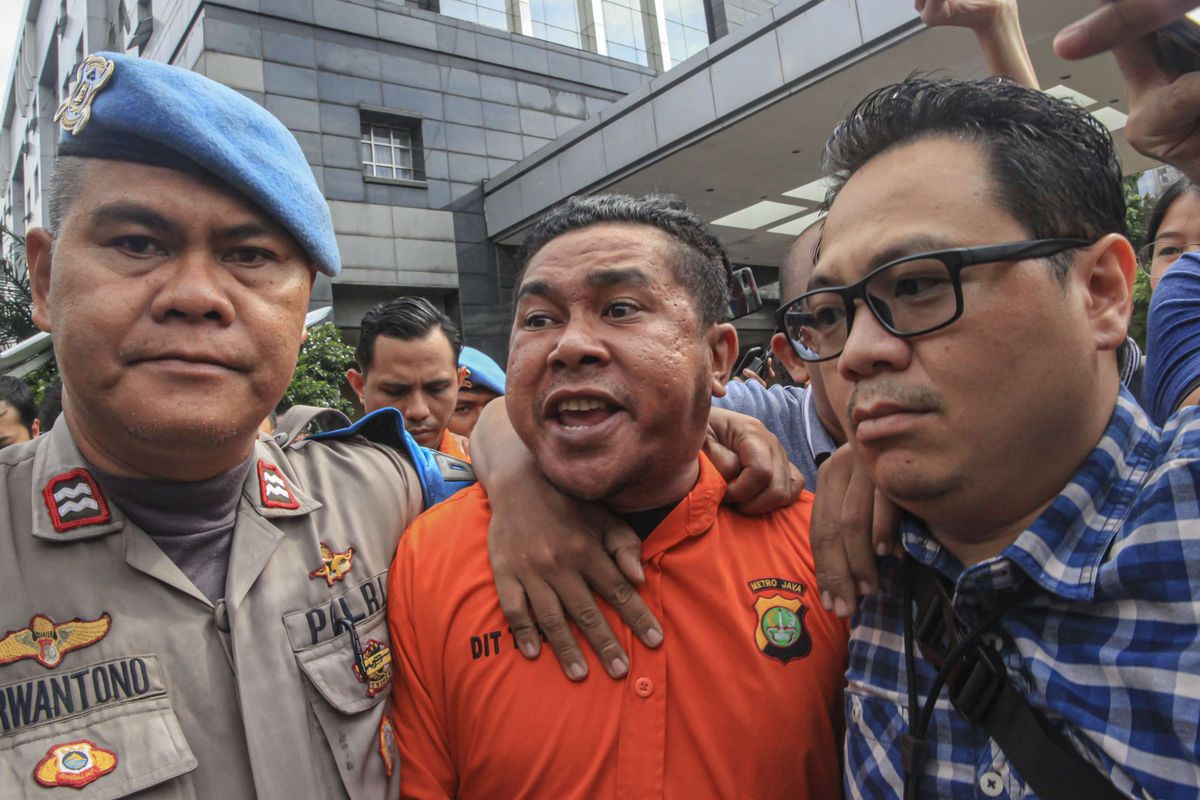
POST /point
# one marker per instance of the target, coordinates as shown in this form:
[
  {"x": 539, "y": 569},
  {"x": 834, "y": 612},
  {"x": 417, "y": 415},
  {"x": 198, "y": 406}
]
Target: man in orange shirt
[
  {"x": 408, "y": 358},
  {"x": 617, "y": 348}
]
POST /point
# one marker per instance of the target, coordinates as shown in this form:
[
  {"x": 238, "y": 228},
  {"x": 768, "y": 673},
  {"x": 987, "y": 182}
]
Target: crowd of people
[{"x": 992, "y": 593}]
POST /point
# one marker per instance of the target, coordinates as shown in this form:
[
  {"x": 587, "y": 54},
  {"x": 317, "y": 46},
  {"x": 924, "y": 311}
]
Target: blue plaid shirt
[{"x": 1107, "y": 647}]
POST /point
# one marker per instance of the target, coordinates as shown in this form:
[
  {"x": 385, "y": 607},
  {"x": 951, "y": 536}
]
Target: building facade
[
  {"x": 404, "y": 111},
  {"x": 439, "y": 129}
]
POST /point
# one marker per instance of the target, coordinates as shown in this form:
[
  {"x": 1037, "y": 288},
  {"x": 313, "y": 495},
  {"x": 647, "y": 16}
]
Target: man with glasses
[{"x": 972, "y": 287}]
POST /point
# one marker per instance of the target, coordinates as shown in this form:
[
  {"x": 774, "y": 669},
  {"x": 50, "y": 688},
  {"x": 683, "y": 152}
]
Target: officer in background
[
  {"x": 482, "y": 382},
  {"x": 189, "y": 610},
  {"x": 407, "y": 358}
]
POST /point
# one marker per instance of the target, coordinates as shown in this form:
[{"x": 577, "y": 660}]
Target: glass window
[
  {"x": 625, "y": 30},
  {"x": 486, "y": 12},
  {"x": 391, "y": 148},
  {"x": 556, "y": 21},
  {"x": 687, "y": 28}
]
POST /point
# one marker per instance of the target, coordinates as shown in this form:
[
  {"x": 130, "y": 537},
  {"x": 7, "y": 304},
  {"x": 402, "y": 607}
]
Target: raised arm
[
  {"x": 1164, "y": 108},
  {"x": 997, "y": 27}
]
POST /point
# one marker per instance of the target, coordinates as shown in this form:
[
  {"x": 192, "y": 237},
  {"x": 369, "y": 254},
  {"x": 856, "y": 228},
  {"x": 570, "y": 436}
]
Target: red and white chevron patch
[
  {"x": 274, "y": 488},
  {"x": 74, "y": 500}
]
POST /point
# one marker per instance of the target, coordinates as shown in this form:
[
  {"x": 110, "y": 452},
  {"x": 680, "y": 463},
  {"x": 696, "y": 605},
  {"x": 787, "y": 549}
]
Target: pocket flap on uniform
[
  {"x": 113, "y": 747},
  {"x": 338, "y": 675}
]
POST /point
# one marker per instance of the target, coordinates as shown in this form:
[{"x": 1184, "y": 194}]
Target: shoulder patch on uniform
[
  {"x": 74, "y": 500},
  {"x": 274, "y": 487},
  {"x": 74, "y": 764},
  {"x": 47, "y": 642},
  {"x": 387, "y": 743},
  {"x": 334, "y": 565}
]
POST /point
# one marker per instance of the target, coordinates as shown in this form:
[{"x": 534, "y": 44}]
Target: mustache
[{"x": 915, "y": 398}]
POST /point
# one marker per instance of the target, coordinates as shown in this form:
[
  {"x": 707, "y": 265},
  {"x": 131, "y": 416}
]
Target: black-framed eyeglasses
[
  {"x": 1167, "y": 251},
  {"x": 910, "y": 296}
]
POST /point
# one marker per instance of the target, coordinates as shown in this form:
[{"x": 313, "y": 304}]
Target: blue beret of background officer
[
  {"x": 482, "y": 383},
  {"x": 191, "y": 610}
]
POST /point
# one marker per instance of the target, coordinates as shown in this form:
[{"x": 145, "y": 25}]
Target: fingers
[
  {"x": 751, "y": 375},
  {"x": 856, "y": 527},
  {"x": 554, "y": 626},
  {"x": 886, "y": 527},
  {"x": 1116, "y": 23},
  {"x": 757, "y": 462},
  {"x": 829, "y": 551},
  {"x": 626, "y": 549},
  {"x": 724, "y": 459},
  {"x": 516, "y": 611},
  {"x": 620, "y": 594},
  {"x": 762, "y": 478}
]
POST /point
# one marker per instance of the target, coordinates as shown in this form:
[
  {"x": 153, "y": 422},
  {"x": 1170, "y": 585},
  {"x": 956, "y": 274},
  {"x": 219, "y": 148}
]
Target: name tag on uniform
[
  {"x": 65, "y": 693},
  {"x": 325, "y": 621}
]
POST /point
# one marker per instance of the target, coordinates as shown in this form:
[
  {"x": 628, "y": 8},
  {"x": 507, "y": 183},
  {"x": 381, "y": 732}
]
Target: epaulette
[{"x": 440, "y": 475}]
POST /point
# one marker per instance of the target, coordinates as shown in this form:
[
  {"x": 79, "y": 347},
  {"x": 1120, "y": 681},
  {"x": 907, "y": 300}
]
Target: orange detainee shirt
[
  {"x": 454, "y": 445},
  {"x": 743, "y": 699}
]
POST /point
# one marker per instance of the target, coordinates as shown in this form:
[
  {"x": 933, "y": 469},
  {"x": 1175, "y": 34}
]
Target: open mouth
[{"x": 581, "y": 413}]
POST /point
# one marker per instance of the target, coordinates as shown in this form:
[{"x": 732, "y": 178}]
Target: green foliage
[
  {"x": 1137, "y": 216},
  {"x": 320, "y": 371},
  {"x": 16, "y": 303},
  {"x": 40, "y": 378}
]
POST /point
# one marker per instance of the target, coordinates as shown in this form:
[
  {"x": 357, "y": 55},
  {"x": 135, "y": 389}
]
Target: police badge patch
[
  {"x": 74, "y": 500},
  {"x": 76, "y": 110},
  {"x": 378, "y": 660},
  {"x": 74, "y": 764},
  {"x": 780, "y": 632},
  {"x": 48, "y": 642},
  {"x": 387, "y": 744}
]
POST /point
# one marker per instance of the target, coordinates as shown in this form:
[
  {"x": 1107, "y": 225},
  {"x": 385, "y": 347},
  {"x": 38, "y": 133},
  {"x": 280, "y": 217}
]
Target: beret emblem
[{"x": 76, "y": 110}]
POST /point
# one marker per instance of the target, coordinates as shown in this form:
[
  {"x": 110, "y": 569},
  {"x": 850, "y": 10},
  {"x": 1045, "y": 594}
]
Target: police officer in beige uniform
[{"x": 186, "y": 609}]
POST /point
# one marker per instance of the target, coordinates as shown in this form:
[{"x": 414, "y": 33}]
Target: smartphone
[
  {"x": 1178, "y": 44},
  {"x": 755, "y": 360},
  {"x": 743, "y": 294}
]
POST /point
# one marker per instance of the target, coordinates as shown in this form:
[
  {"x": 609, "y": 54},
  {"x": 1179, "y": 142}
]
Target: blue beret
[
  {"x": 482, "y": 372},
  {"x": 134, "y": 109}
]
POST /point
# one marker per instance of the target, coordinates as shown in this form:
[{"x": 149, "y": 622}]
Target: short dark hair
[
  {"x": 700, "y": 263},
  {"x": 51, "y": 406},
  {"x": 404, "y": 318},
  {"x": 1054, "y": 165},
  {"x": 1163, "y": 204},
  {"x": 14, "y": 392}
]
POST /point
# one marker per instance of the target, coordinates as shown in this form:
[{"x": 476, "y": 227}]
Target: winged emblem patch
[
  {"x": 334, "y": 565},
  {"x": 47, "y": 641}
]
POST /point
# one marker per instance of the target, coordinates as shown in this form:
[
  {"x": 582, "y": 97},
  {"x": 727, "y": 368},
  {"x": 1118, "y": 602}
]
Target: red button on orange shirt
[{"x": 644, "y": 687}]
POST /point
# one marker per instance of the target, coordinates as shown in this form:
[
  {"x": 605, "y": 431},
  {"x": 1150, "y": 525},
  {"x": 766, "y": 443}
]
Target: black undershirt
[
  {"x": 644, "y": 522},
  {"x": 191, "y": 521}
]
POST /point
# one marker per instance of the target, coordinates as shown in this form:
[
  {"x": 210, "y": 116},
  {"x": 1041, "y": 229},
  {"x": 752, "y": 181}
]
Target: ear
[
  {"x": 795, "y": 366},
  {"x": 356, "y": 380},
  {"x": 722, "y": 341},
  {"x": 39, "y": 244},
  {"x": 35, "y": 429},
  {"x": 462, "y": 376},
  {"x": 1109, "y": 270}
]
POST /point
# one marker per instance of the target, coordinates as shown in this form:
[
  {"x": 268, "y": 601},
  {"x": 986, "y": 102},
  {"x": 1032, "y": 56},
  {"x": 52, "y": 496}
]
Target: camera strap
[{"x": 977, "y": 683}]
